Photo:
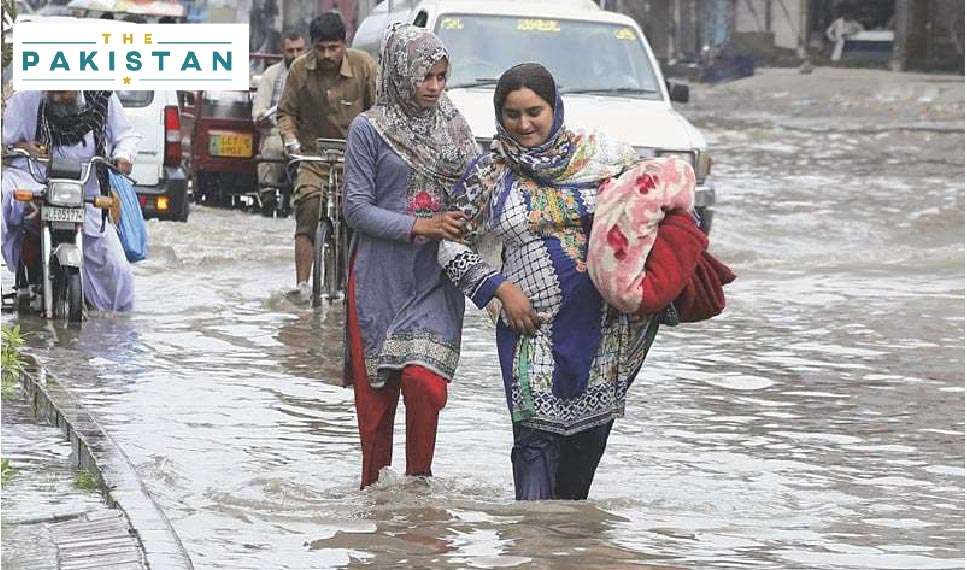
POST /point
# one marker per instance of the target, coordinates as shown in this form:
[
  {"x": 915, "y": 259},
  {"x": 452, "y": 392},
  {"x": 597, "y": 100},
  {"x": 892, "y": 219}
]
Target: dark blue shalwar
[{"x": 553, "y": 466}]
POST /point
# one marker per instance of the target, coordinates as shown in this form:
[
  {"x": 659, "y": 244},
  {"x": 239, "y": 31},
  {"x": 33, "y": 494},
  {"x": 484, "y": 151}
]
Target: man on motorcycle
[
  {"x": 75, "y": 125},
  {"x": 263, "y": 111}
]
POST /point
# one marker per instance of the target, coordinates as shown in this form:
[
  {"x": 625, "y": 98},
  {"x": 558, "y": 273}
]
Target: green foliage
[
  {"x": 86, "y": 480},
  {"x": 10, "y": 359},
  {"x": 9, "y": 12},
  {"x": 6, "y": 471}
]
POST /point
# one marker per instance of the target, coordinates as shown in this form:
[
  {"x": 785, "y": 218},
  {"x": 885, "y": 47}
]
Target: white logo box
[{"x": 103, "y": 54}]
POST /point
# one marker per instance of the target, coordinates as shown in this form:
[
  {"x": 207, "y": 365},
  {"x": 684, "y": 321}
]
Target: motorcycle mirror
[{"x": 23, "y": 195}]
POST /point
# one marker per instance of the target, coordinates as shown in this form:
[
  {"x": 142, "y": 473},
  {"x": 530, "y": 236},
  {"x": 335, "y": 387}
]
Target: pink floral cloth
[{"x": 626, "y": 217}]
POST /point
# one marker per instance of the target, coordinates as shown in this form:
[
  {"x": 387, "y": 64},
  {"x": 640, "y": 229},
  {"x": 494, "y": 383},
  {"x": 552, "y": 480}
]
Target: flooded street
[{"x": 818, "y": 424}]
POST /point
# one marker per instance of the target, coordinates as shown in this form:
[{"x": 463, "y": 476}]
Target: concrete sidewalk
[
  {"x": 54, "y": 524},
  {"x": 50, "y": 519}
]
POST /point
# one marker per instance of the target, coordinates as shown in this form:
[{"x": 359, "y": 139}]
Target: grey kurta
[{"x": 409, "y": 312}]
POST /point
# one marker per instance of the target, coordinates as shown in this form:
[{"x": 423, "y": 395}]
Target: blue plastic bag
[{"x": 131, "y": 227}]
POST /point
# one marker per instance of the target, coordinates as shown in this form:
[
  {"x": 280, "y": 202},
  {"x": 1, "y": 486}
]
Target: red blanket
[{"x": 680, "y": 270}]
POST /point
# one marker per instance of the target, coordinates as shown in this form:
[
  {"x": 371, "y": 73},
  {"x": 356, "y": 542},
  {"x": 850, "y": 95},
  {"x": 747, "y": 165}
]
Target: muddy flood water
[{"x": 818, "y": 424}]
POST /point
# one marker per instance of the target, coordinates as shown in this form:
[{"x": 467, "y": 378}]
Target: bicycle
[{"x": 331, "y": 239}]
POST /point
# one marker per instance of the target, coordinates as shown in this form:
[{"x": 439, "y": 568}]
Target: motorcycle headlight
[{"x": 66, "y": 194}]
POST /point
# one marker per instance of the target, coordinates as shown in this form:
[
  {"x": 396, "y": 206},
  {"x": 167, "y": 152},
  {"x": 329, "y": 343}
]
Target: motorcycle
[{"x": 61, "y": 206}]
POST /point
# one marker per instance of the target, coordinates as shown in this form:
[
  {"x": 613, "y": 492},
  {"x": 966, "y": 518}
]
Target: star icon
[{"x": 127, "y": 80}]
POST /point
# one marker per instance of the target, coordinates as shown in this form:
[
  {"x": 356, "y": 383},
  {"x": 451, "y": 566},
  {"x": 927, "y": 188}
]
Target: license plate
[
  {"x": 230, "y": 144},
  {"x": 52, "y": 214}
]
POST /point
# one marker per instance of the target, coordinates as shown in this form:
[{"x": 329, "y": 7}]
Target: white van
[
  {"x": 158, "y": 170},
  {"x": 608, "y": 75}
]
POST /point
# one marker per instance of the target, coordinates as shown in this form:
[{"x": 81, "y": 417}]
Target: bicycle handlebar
[{"x": 332, "y": 157}]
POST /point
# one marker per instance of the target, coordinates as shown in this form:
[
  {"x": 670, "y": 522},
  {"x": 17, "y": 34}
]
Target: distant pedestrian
[
  {"x": 839, "y": 31},
  {"x": 264, "y": 108}
]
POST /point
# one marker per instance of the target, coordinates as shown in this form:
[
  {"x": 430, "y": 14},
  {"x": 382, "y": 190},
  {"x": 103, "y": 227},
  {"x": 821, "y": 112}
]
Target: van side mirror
[{"x": 678, "y": 92}]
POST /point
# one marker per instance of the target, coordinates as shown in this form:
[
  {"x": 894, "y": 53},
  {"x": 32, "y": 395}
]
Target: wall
[{"x": 785, "y": 18}]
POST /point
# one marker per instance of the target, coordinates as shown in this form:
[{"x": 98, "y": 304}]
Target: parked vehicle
[
  {"x": 869, "y": 46},
  {"x": 221, "y": 143},
  {"x": 58, "y": 285},
  {"x": 160, "y": 178},
  {"x": 151, "y": 11},
  {"x": 609, "y": 77}
]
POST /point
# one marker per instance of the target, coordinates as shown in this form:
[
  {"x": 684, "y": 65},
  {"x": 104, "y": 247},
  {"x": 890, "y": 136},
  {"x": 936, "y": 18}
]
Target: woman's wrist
[
  {"x": 418, "y": 228},
  {"x": 503, "y": 289}
]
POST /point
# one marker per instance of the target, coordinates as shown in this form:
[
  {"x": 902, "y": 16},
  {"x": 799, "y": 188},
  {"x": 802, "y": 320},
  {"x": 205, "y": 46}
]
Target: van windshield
[{"x": 585, "y": 57}]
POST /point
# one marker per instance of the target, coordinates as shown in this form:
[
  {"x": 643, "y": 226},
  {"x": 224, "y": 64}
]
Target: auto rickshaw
[{"x": 220, "y": 143}]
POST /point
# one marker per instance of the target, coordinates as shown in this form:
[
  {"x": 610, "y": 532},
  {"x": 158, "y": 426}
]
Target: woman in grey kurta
[{"x": 403, "y": 315}]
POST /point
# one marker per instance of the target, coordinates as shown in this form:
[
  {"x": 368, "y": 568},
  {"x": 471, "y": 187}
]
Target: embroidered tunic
[
  {"x": 574, "y": 372},
  {"x": 409, "y": 313}
]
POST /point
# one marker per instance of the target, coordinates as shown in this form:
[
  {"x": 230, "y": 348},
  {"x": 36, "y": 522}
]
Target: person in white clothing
[
  {"x": 839, "y": 31},
  {"x": 263, "y": 113}
]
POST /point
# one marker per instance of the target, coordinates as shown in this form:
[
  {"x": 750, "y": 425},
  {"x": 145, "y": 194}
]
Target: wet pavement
[
  {"x": 54, "y": 517},
  {"x": 818, "y": 424}
]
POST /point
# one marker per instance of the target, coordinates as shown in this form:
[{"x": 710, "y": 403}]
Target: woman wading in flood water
[
  {"x": 403, "y": 316},
  {"x": 566, "y": 357}
]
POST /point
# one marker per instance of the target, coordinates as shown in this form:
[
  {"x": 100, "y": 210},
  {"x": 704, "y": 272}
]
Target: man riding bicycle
[{"x": 325, "y": 90}]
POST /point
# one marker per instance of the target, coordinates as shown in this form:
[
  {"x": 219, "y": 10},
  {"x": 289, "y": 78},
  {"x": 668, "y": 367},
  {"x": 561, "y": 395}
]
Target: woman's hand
[
  {"x": 520, "y": 315},
  {"x": 443, "y": 225}
]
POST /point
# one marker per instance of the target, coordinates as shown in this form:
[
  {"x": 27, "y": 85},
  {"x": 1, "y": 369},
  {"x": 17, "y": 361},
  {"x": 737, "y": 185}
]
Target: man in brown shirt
[{"x": 325, "y": 90}]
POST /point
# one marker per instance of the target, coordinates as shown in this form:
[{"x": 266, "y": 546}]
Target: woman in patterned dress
[
  {"x": 567, "y": 358},
  {"x": 403, "y": 316}
]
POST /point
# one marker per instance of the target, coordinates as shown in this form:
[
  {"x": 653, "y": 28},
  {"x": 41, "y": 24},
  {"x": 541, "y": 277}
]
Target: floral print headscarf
[
  {"x": 574, "y": 159},
  {"x": 435, "y": 142}
]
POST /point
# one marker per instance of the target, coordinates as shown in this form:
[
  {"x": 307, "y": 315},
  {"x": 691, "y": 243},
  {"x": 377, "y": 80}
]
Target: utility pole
[{"x": 901, "y": 32}]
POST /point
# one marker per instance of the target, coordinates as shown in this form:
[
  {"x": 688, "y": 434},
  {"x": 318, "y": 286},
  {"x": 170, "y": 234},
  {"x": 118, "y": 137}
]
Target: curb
[{"x": 96, "y": 452}]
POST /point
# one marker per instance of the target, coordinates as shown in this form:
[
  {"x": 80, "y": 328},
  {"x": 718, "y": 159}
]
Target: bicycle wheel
[
  {"x": 330, "y": 257},
  {"x": 318, "y": 262}
]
